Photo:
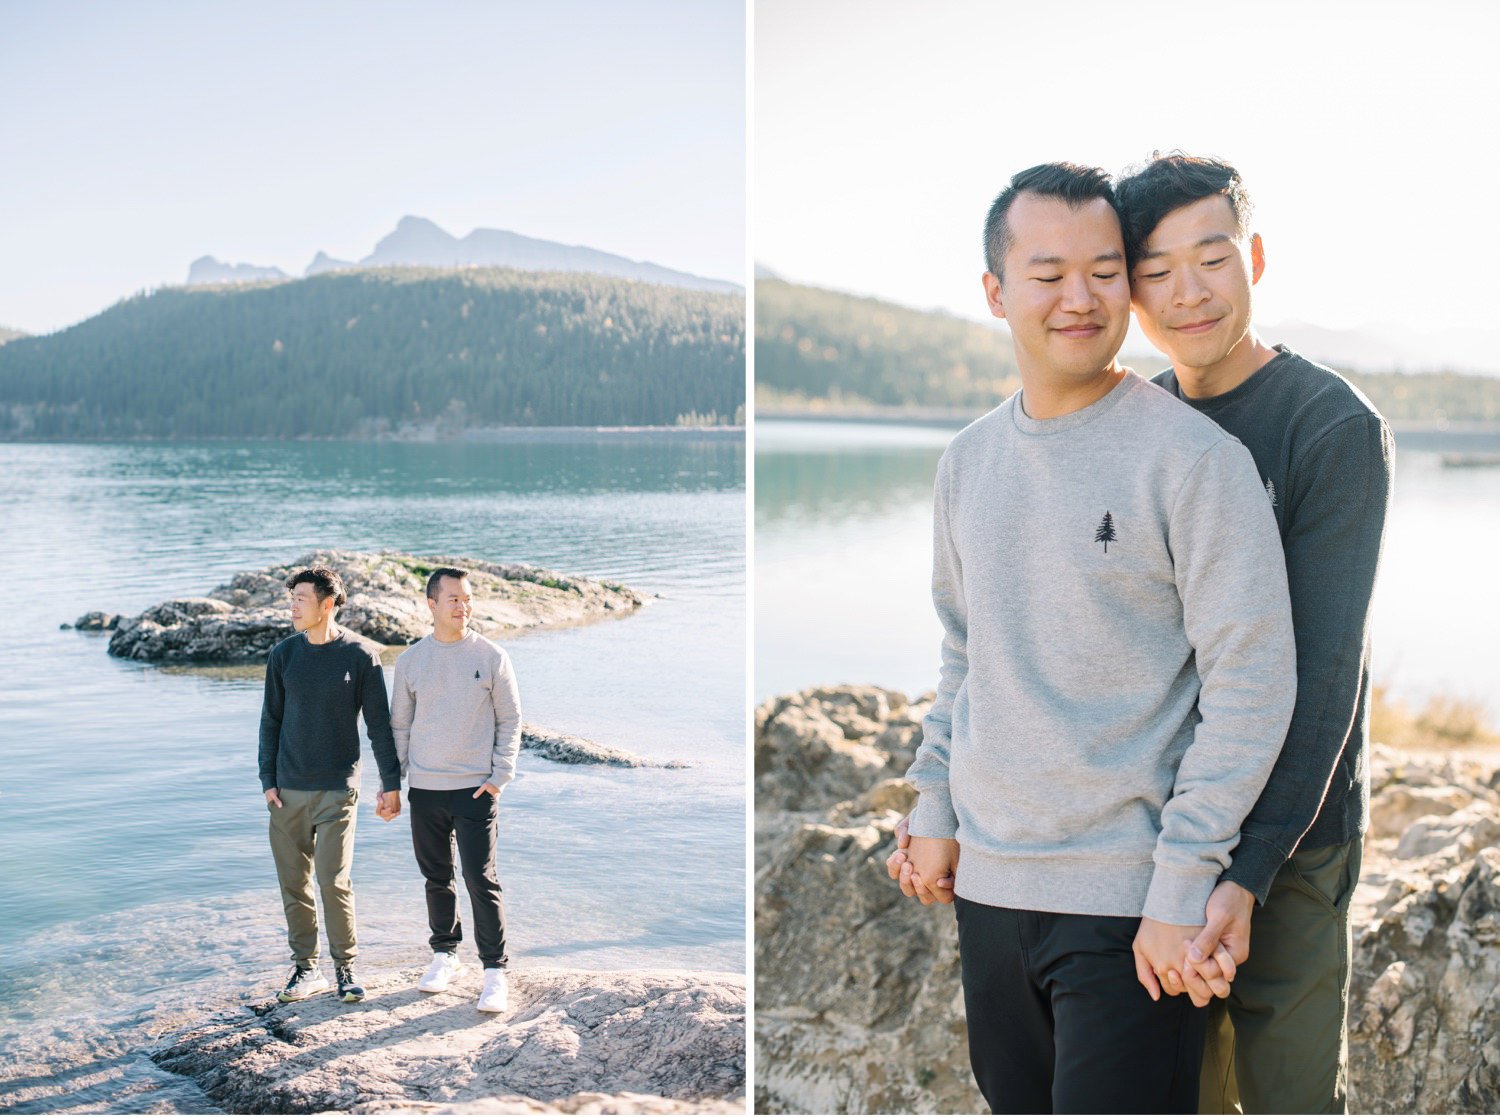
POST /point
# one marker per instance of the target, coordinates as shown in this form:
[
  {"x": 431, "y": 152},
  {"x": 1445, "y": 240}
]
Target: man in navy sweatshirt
[
  {"x": 1325, "y": 458},
  {"x": 318, "y": 681}
]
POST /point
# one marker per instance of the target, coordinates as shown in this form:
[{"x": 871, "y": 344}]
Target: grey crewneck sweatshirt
[
  {"x": 1118, "y": 659},
  {"x": 456, "y": 714}
]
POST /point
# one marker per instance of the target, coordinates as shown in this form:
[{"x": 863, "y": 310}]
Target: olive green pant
[
  {"x": 1280, "y": 1042},
  {"x": 314, "y": 830}
]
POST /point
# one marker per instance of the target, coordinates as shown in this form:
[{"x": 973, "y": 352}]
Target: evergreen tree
[{"x": 1106, "y": 532}]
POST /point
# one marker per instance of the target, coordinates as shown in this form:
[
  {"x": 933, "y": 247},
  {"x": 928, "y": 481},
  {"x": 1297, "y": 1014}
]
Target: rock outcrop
[
  {"x": 241, "y": 621},
  {"x": 572, "y": 1042},
  {"x": 563, "y": 748},
  {"x": 858, "y": 1002}
]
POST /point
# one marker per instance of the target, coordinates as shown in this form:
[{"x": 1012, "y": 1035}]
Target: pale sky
[
  {"x": 1364, "y": 131},
  {"x": 139, "y": 136}
]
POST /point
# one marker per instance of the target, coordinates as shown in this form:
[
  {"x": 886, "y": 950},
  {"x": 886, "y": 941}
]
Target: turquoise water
[
  {"x": 843, "y": 524},
  {"x": 134, "y": 870}
]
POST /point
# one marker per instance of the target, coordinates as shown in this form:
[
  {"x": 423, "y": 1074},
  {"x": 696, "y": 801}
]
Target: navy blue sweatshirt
[
  {"x": 309, "y": 730},
  {"x": 1325, "y": 455}
]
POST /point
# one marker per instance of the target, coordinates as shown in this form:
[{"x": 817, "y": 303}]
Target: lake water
[
  {"x": 843, "y": 523},
  {"x": 136, "y": 883}
]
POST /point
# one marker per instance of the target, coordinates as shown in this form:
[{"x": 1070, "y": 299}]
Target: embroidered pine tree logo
[
  {"x": 1271, "y": 491},
  {"x": 476, "y": 674},
  {"x": 1106, "y": 532},
  {"x": 347, "y": 679}
]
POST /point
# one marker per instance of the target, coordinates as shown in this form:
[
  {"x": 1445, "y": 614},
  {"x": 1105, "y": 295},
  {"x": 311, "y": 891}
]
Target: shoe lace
[{"x": 345, "y": 975}]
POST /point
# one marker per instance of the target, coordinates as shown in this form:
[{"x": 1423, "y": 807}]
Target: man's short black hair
[
  {"x": 1168, "y": 182},
  {"x": 1072, "y": 182},
  {"x": 435, "y": 579},
  {"x": 325, "y": 583}
]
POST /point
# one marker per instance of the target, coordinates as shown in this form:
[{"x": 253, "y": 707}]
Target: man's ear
[
  {"x": 993, "y": 295},
  {"x": 1257, "y": 259}
]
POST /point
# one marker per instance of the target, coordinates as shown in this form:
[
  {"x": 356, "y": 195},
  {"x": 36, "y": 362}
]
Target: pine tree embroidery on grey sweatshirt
[
  {"x": 456, "y": 714},
  {"x": 1118, "y": 660}
]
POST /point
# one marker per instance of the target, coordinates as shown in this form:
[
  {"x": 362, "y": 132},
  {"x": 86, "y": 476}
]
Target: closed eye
[
  {"x": 1046, "y": 279},
  {"x": 1155, "y": 274},
  {"x": 1213, "y": 263},
  {"x": 1105, "y": 275}
]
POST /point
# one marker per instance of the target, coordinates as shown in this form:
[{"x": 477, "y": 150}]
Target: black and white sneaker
[
  {"x": 350, "y": 991},
  {"x": 304, "y": 982}
]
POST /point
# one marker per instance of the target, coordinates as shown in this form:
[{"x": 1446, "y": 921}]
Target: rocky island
[
  {"x": 241, "y": 621},
  {"x": 858, "y": 1001}
]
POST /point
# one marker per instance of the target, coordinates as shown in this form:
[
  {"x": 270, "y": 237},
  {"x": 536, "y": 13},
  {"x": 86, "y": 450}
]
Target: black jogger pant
[
  {"x": 439, "y": 820},
  {"x": 1058, "y": 1022}
]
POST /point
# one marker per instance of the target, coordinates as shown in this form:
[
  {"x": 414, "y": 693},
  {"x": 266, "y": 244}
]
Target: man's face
[
  {"x": 307, "y": 610},
  {"x": 1191, "y": 286},
  {"x": 453, "y": 605},
  {"x": 1065, "y": 293}
]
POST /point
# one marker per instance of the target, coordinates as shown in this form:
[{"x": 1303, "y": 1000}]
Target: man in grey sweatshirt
[
  {"x": 1118, "y": 672},
  {"x": 456, "y": 716}
]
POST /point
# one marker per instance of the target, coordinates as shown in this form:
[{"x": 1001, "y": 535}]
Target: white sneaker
[
  {"x": 444, "y": 968},
  {"x": 496, "y": 995}
]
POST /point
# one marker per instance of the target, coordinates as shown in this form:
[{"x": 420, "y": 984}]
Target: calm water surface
[
  {"x": 134, "y": 869},
  {"x": 843, "y": 523}
]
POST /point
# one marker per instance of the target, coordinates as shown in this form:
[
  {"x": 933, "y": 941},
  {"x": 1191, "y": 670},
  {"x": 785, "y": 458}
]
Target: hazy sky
[
  {"x": 1365, "y": 132},
  {"x": 138, "y": 136}
]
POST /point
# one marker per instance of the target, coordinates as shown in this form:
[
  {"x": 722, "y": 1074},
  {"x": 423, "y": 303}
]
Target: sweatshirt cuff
[
  {"x": 391, "y": 784},
  {"x": 267, "y": 784},
  {"x": 933, "y": 815},
  {"x": 1179, "y": 895},
  {"x": 1254, "y": 865}
]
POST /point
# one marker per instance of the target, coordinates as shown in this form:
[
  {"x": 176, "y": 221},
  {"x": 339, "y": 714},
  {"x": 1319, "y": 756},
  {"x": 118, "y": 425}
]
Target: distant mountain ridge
[
  {"x": 8, "y": 334},
  {"x": 207, "y": 269},
  {"x": 418, "y": 242}
]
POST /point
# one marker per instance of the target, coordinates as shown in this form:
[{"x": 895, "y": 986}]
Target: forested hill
[
  {"x": 822, "y": 348},
  {"x": 812, "y": 344},
  {"x": 358, "y": 353}
]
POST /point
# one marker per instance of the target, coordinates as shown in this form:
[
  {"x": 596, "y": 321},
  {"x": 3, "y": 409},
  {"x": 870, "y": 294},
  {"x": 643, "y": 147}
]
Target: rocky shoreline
[
  {"x": 573, "y": 1041},
  {"x": 243, "y": 620},
  {"x": 858, "y": 1003}
]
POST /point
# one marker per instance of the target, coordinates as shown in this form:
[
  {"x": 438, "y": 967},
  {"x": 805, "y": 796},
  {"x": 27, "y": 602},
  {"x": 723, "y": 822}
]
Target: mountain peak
[{"x": 209, "y": 269}]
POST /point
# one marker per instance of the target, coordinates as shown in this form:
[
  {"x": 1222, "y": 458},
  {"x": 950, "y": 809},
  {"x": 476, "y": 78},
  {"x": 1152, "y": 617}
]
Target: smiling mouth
[
  {"x": 1080, "y": 331},
  {"x": 1197, "y": 327}
]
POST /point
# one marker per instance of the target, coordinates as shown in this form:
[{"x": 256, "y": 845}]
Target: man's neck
[
  {"x": 323, "y": 632},
  {"x": 1242, "y": 362},
  {"x": 448, "y": 635},
  {"x": 1048, "y": 397}
]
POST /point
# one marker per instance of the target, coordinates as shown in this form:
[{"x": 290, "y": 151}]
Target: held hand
[
  {"x": 388, "y": 805},
  {"x": 1224, "y": 942},
  {"x": 273, "y": 796},
  {"x": 933, "y": 860},
  {"x": 898, "y": 864},
  {"x": 486, "y": 788},
  {"x": 1160, "y": 956}
]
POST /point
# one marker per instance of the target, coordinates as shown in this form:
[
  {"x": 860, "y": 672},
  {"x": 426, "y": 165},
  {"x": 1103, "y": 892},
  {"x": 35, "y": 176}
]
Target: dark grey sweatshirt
[
  {"x": 1118, "y": 659},
  {"x": 1325, "y": 457},
  {"x": 309, "y": 728}
]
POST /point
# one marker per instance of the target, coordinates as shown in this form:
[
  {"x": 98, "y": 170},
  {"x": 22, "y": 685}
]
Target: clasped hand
[{"x": 1199, "y": 960}]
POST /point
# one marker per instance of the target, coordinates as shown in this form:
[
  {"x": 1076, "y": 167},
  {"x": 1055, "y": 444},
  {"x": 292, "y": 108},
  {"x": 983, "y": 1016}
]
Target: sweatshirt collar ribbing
[
  {"x": 1074, "y": 419},
  {"x": 1284, "y": 357}
]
